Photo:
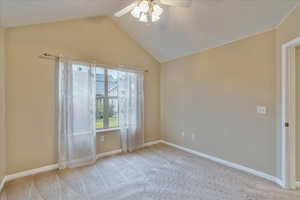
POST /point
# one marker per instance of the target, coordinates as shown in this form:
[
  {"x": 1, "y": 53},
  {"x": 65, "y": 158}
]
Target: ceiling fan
[{"x": 150, "y": 10}]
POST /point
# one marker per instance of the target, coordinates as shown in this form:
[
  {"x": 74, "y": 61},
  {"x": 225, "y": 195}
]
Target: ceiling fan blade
[
  {"x": 178, "y": 3},
  {"x": 125, "y": 10}
]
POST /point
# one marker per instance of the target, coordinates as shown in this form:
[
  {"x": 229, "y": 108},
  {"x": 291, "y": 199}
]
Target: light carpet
[{"x": 158, "y": 172}]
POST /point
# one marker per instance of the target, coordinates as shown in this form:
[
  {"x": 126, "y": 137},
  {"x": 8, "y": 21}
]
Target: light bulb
[
  {"x": 144, "y": 18},
  {"x": 155, "y": 18},
  {"x": 144, "y": 6},
  {"x": 136, "y": 12},
  {"x": 157, "y": 10}
]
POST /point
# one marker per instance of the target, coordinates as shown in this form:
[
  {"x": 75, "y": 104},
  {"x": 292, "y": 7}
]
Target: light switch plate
[{"x": 261, "y": 110}]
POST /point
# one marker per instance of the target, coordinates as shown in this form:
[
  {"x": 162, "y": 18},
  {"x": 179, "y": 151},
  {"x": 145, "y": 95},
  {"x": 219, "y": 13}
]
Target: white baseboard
[
  {"x": 147, "y": 144},
  {"x": 152, "y": 143},
  {"x": 101, "y": 155},
  {"x": 50, "y": 167},
  {"x": 110, "y": 153},
  {"x": 227, "y": 163},
  {"x": 31, "y": 172},
  {"x": 2, "y": 183},
  {"x": 279, "y": 182},
  {"x": 55, "y": 166}
]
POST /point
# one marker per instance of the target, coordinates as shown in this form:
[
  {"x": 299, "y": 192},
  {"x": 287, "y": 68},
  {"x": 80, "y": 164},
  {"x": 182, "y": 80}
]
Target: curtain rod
[{"x": 51, "y": 57}]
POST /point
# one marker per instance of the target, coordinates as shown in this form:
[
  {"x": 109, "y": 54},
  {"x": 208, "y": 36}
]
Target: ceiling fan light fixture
[
  {"x": 144, "y": 18},
  {"x": 157, "y": 10},
  {"x": 150, "y": 10},
  {"x": 144, "y": 6},
  {"x": 136, "y": 12},
  {"x": 154, "y": 18}
]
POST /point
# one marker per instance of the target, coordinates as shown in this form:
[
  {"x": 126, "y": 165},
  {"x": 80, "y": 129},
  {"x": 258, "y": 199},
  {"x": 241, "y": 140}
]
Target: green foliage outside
[{"x": 113, "y": 122}]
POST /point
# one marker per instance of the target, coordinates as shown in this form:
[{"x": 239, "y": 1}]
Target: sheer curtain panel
[
  {"x": 131, "y": 105},
  {"x": 76, "y": 113}
]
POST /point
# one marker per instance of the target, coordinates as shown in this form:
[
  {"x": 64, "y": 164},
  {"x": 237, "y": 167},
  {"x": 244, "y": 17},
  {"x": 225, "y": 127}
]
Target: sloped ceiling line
[{"x": 180, "y": 32}]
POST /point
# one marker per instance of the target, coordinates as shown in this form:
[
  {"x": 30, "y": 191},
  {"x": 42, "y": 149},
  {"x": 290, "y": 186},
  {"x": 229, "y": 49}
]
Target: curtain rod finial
[{"x": 45, "y": 54}]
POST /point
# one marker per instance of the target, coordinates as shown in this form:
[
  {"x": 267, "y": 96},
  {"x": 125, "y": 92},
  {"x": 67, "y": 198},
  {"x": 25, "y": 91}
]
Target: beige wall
[
  {"x": 214, "y": 95},
  {"x": 2, "y": 106},
  {"x": 32, "y": 141},
  {"x": 298, "y": 113},
  {"x": 287, "y": 31}
]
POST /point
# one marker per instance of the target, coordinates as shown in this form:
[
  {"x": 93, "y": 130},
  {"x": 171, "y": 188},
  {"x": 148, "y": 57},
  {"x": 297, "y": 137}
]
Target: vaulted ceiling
[{"x": 180, "y": 32}]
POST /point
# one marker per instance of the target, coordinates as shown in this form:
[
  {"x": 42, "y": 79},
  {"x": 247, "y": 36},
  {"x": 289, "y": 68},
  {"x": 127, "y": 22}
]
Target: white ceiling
[
  {"x": 25, "y": 12},
  {"x": 180, "y": 32}
]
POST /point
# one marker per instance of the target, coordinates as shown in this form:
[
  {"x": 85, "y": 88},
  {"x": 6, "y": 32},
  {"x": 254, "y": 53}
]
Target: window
[{"x": 107, "y": 103}]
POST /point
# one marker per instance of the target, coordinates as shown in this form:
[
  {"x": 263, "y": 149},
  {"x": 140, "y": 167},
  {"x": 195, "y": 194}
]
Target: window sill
[{"x": 107, "y": 130}]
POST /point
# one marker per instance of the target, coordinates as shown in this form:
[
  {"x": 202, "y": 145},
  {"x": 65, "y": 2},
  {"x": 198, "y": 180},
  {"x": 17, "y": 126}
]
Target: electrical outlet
[
  {"x": 102, "y": 138},
  {"x": 261, "y": 110},
  {"x": 182, "y": 133}
]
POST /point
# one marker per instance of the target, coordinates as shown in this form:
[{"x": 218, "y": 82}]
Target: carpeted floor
[{"x": 159, "y": 172}]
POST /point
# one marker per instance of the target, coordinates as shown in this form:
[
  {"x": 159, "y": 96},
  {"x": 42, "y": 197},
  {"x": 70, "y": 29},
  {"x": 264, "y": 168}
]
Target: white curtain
[
  {"x": 131, "y": 102},
  {"x": 76, "y": 113}
]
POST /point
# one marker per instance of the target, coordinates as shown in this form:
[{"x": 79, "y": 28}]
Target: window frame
[{"x": 106, "y": 99}]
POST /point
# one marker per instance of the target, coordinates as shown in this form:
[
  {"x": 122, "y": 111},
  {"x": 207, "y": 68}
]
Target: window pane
[
  {"x": 107, "y": 108},
  {"x": 100, "y": 93},
  {"x": 112, "y": 77},
  {"x": 99, "y": 112},
  {"x": 113, "y": 113},
  {"x": 100, "y": 86}
]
